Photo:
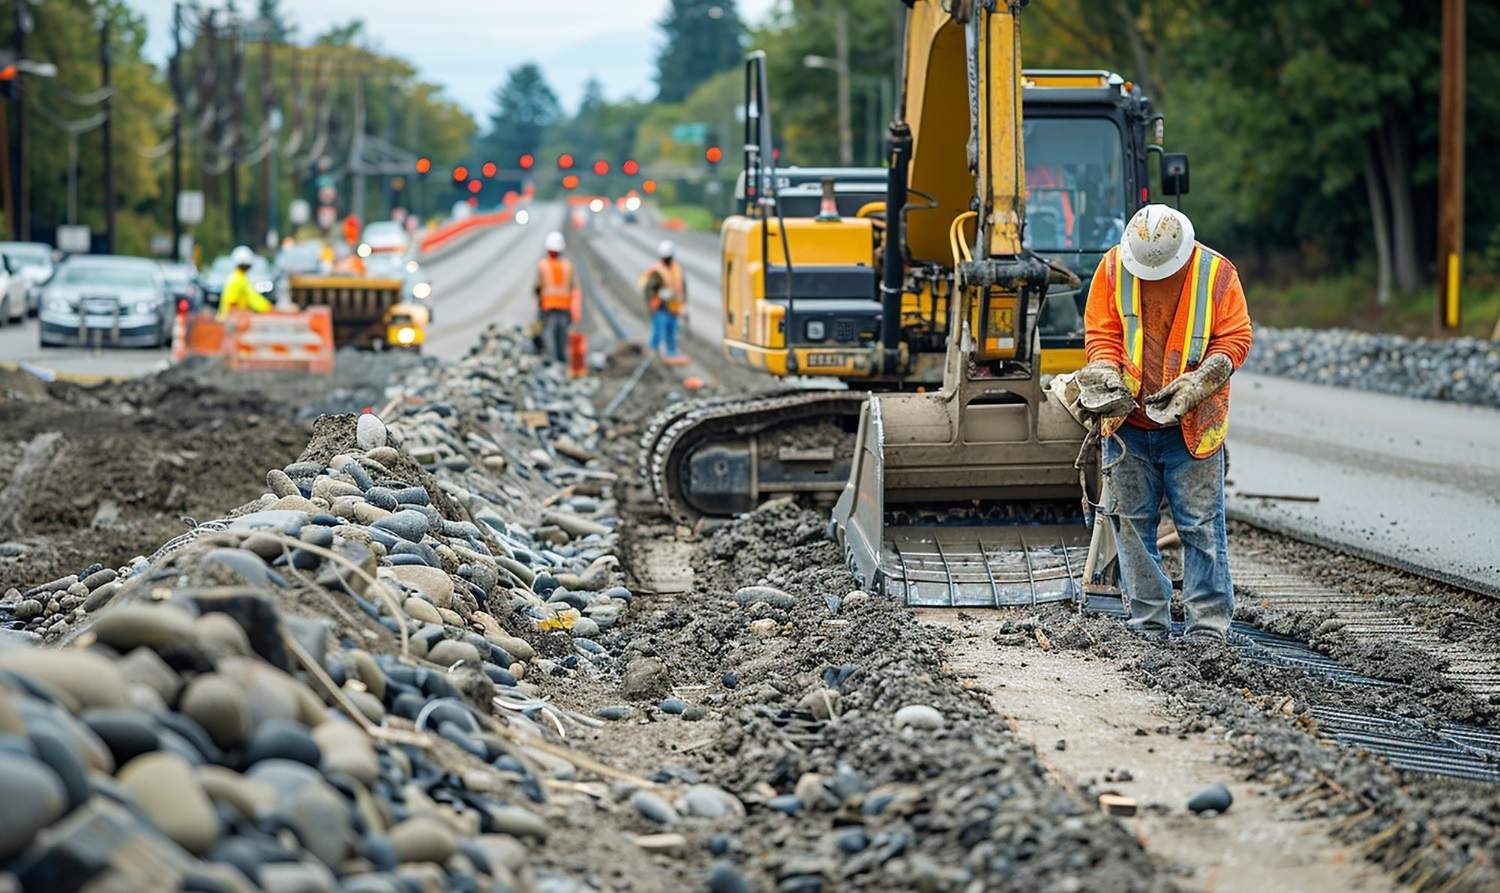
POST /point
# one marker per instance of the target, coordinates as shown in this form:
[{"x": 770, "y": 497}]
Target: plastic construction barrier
[
  {"x": 280, "y": 341},
  {"x": 446, "y": 234}
]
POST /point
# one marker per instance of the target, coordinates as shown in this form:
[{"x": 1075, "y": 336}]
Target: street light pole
[
  {"x": 839, "y": 65},
  {"x": 109, "y": 137},
  {"x": 1450, "y": 222},
  {"x": 21, "y": 225},
  {"x": 176, "y": 76}
]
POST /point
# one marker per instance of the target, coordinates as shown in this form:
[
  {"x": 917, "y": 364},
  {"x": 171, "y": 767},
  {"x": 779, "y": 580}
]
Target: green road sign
[{"x": 694, "y": 133}]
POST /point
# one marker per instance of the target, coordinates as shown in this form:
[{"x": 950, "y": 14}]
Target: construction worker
[
  {"x": 238, "y": 293},
  {"x": 559, "y": 299},
  {"x": 666, "y": 296},
  {"x": 1166, "y": 319}
]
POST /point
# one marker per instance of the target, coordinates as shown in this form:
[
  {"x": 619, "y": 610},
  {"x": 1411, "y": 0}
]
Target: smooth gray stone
[
  {"x": 654, "y": 808},
  {"x": 408, "y": 524},
  {"x": 1215, "y": 797},
  {"x": 34, "y": 796},
  {"x": 749, "y": 595}
]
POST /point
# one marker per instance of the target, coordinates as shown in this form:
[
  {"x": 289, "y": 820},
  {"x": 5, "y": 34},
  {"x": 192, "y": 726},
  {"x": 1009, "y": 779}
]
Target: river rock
[
  {"x": 433, "y": 581},
  {"x": 409, "y": 524},
  {"x": 280, "y": 483},
  {"x": 1215, "y": 797},
  {"x": 423, "y": 839},
  {"x": 822, "y": 703},
  {"x": 101, "y": 596},
  {"x": 163, "y": 786},
  {"x": 654, "y": 808},
  {"x": 518, "y": 821},
  {"x": 451, "y": 651},
  {"x": 709, "y": 802},
  {"x": 725, "y": 878},
  {"x": 370, "y": 432},
  {"x": 419, "y": 609},
  {"x": 919, "y": 716},
  {"x": 34, "y": 798},
  {"x": 750, "y": 595},
  {"x": 646, "y": 678},
  {"x": 279, "y": 739},
  {"x": 87, "y": 679},
  {"x": 346, "y": 748},
  {"x": 219, "y": 705}
]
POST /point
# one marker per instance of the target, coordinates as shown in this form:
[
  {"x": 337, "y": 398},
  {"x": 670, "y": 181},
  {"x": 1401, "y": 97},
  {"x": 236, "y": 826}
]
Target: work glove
[
  {"x": 1102, "y": 391},
  {"x": 1168, "y": 405}
]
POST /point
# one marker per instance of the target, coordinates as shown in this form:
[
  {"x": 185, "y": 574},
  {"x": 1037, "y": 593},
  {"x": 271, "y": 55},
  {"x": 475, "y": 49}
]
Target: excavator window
[{"x": 1075, "y": 184}]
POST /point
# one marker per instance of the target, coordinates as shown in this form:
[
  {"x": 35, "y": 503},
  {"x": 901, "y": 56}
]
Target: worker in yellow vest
[
  {"x": 1166, "y": 319},
  {"x": 239, "y": 293},
  {"x": 559, "y": 299},
  {"x": 666, "y": 297}
]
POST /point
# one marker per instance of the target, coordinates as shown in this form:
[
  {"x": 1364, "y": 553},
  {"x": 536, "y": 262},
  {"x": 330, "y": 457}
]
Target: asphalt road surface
[{"x": 18, "y": 344}]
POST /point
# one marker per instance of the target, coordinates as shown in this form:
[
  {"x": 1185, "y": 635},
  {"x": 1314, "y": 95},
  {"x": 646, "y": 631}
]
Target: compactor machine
[{"x": 942, "y": 303}]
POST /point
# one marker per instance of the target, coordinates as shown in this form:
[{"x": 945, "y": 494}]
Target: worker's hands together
[
  {"x": 1102, "y": 391},
  {"x": 1168, "y": 405}
]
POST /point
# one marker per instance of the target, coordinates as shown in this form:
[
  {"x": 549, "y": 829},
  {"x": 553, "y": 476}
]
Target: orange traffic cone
[
  {"x": 578, "y": 351},
  {"x": 179, "y": 333}
]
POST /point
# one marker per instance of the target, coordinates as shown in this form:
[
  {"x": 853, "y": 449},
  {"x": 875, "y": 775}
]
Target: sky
[{"x": 468, "y": 45}]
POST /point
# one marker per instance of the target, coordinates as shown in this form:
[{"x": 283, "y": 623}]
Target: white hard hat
[
  {"x": 555, "y": 242},
  {"x": 1158, "y": 241},
  {"x": 242, "y": 256},
  {"x": 666, "y": 249}
]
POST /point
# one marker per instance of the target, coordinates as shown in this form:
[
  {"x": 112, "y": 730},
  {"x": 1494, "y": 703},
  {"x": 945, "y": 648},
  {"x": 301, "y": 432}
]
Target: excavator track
[{"x": 675, "y": 435}]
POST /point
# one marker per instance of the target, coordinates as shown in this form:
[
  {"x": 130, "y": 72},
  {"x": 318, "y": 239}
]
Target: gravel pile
[
  {"x": 1461, "y": 370},
  {"x": 328, "y": 688}
]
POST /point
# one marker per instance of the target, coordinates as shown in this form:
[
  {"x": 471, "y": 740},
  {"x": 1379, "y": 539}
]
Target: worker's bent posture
[
  {"x": 1166, "y": 320},
  {"x": 559, "y": 300},
  {"x": 238, "y": 293},
  {"x": 666, "y": 296}
]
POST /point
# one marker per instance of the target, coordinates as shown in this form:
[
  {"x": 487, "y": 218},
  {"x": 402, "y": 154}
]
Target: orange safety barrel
[
  {"x": 202, "y": 336},
  {"x": 578, "y": 351},
  {"x": 293, "y": 342}
]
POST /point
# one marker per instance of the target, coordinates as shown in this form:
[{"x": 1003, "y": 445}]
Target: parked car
[
  {"x": 182, "y": 282},
  {"x": 106, "y": 299},
  {"x": 34, "y": 260},
  {"x": 212, "y": 281},
  {"x": 14, "y": 292},
  {"x": 385, "y": 236}
]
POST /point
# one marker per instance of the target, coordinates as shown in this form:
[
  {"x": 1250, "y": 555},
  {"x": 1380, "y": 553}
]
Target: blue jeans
[
  {"x": 1157, "y": 463},
  {"x": 664, "y": 332}
]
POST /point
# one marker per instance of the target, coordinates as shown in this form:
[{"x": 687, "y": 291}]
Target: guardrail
[{"x": 445, "y": 235}]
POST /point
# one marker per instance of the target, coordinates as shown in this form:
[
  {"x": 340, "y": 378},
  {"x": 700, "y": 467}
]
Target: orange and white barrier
[{"x": 297, "y": 342}]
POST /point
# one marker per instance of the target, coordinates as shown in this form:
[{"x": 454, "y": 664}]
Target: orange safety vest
[
  {"x": 671, "y": 277},
  {"x": 556, "y": 276},
  {"x": 1206, "y": 425}
]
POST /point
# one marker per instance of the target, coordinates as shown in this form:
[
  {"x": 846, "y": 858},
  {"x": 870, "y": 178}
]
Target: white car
[
  {"x": 385, "y": 235},
  {"x": 34, "y": 261},
  {"x": 15, "y": 292}
]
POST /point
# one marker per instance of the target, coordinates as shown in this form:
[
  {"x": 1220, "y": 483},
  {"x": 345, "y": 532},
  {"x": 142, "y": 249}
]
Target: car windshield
[
  {"x": 303, "y": 255},
  {"x": 123, "y": 275},
  {"x": 384, "y": 231},
  {"x": 1075, "y": 184},
  {"x": 177, "y": 274},
  {"x": 27, "y": 255}
]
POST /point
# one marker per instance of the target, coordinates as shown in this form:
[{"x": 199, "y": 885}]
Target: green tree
[
  {"x": 275, "y": 19},
  {"x": 702, "y": 39},
  {"x": 525, "y": 107}
]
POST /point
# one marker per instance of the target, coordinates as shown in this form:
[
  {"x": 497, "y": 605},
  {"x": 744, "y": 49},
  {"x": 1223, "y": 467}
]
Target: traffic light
[
  {"x": 601, "y": 167},
  {"x": 460, "y": 174},
  {"x": 424, "y": 165},
  {"x": 713, "y": 155},
  {"x": 564, "y": 161},
  {"x": 526, "y": 161},
  {"x": 570, "y": 181},
  {"x": 630, "y": 167},
  {"x": 489, "y": 169},
  {"x": 648, "y": 186},
  {"x": 475, "y": 186}
]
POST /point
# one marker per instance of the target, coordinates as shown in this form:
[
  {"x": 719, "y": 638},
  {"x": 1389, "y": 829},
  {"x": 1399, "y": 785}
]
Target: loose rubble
[{"x": 1461, "y": 370}]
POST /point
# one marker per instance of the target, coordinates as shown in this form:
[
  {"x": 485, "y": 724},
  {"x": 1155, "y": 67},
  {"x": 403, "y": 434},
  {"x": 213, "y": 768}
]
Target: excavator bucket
[{"x": 967, "y": 498}]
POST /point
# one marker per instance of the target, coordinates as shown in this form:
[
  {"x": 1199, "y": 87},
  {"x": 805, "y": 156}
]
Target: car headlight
[
  {"x": 522, "y": 217},
  {"x": 60, "y": 305},
  {"x": 815, "y": 330},
  {"x": 406, "y": 335},
  {"x": 264, "y": 286},
  {"x": 421, "y": 291},
  {"x": 411, "y": 266},
  {"x": 144, "y": 307}
]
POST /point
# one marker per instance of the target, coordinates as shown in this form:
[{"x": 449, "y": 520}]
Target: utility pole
[
  {"x": 176, "y": 75},
  {"x": 21, "y": 224},
  {"x": 357, "y": 149},
  {"x": 267, "y": 219},
  {"x": 109, "y": 137},
  {"x": 841, "y": 54},
  {"x": 7, "y": 201},
  {"x": 237, "y": 121},
  {"x": 1450, "y": 222}
]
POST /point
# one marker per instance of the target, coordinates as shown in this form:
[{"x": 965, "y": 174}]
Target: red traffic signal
[
  {"x": 570, "y": 181},
  {"x": 564, "y": 161},
  {"x": 475, "y": 186},
  {"x": 424, "y": 165},
  {"x": 489, "y": 169},
  {"x": 601, "y": 167},
  {"x": 460, "y": 174},
  {"x": 713, "y": 154},
  {"x": 630, "y": 167},
  {"x": 526, "y": 161}
]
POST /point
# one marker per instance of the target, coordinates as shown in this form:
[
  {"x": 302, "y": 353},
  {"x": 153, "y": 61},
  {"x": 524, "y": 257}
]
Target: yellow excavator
[{"x": 956, "y": 476}]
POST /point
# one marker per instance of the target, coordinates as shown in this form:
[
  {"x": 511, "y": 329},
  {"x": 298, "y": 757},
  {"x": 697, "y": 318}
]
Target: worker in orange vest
[
  {"x": 666, "y": 296},
  {"x": 1165, "y": 328},
  {"x": 559, "y": 299}
]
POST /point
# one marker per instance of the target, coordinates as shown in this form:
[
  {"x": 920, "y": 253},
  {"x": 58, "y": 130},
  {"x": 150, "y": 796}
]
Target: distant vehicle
[
  {"x": 107, "y": 299},
  {"x": 212, "y": 281},
  {"x": 385, "y": 236},
  {"x": 14, "y": 292},
  {"x": 34, "y": 260},
  {"x": 299, "y": 259},
  {"x": 182, "y": 282}
]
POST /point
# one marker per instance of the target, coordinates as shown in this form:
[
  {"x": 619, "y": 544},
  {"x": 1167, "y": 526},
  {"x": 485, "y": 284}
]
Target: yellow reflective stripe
[
  {"x": 1201, "y": 308},
  {"x": 1130, "y": 315}
]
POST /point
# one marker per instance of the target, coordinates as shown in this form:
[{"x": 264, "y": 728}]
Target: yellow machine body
[{"x": 367, "y": 311}]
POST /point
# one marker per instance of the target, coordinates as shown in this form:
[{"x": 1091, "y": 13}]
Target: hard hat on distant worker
[
  {"x": 666, "y": 250},
  {"x": 555, "y": 242},
  {"x": 1158, "y": 241},
  {"x": 242, "y": 256}
]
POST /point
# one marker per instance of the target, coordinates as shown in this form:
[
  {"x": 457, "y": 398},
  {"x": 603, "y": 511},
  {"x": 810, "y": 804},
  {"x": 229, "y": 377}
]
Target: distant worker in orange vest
[
  {"x": 1166, "y": 319},
  {"x": 666, "y": 296},
  {"x": 559, "y": 299}
]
